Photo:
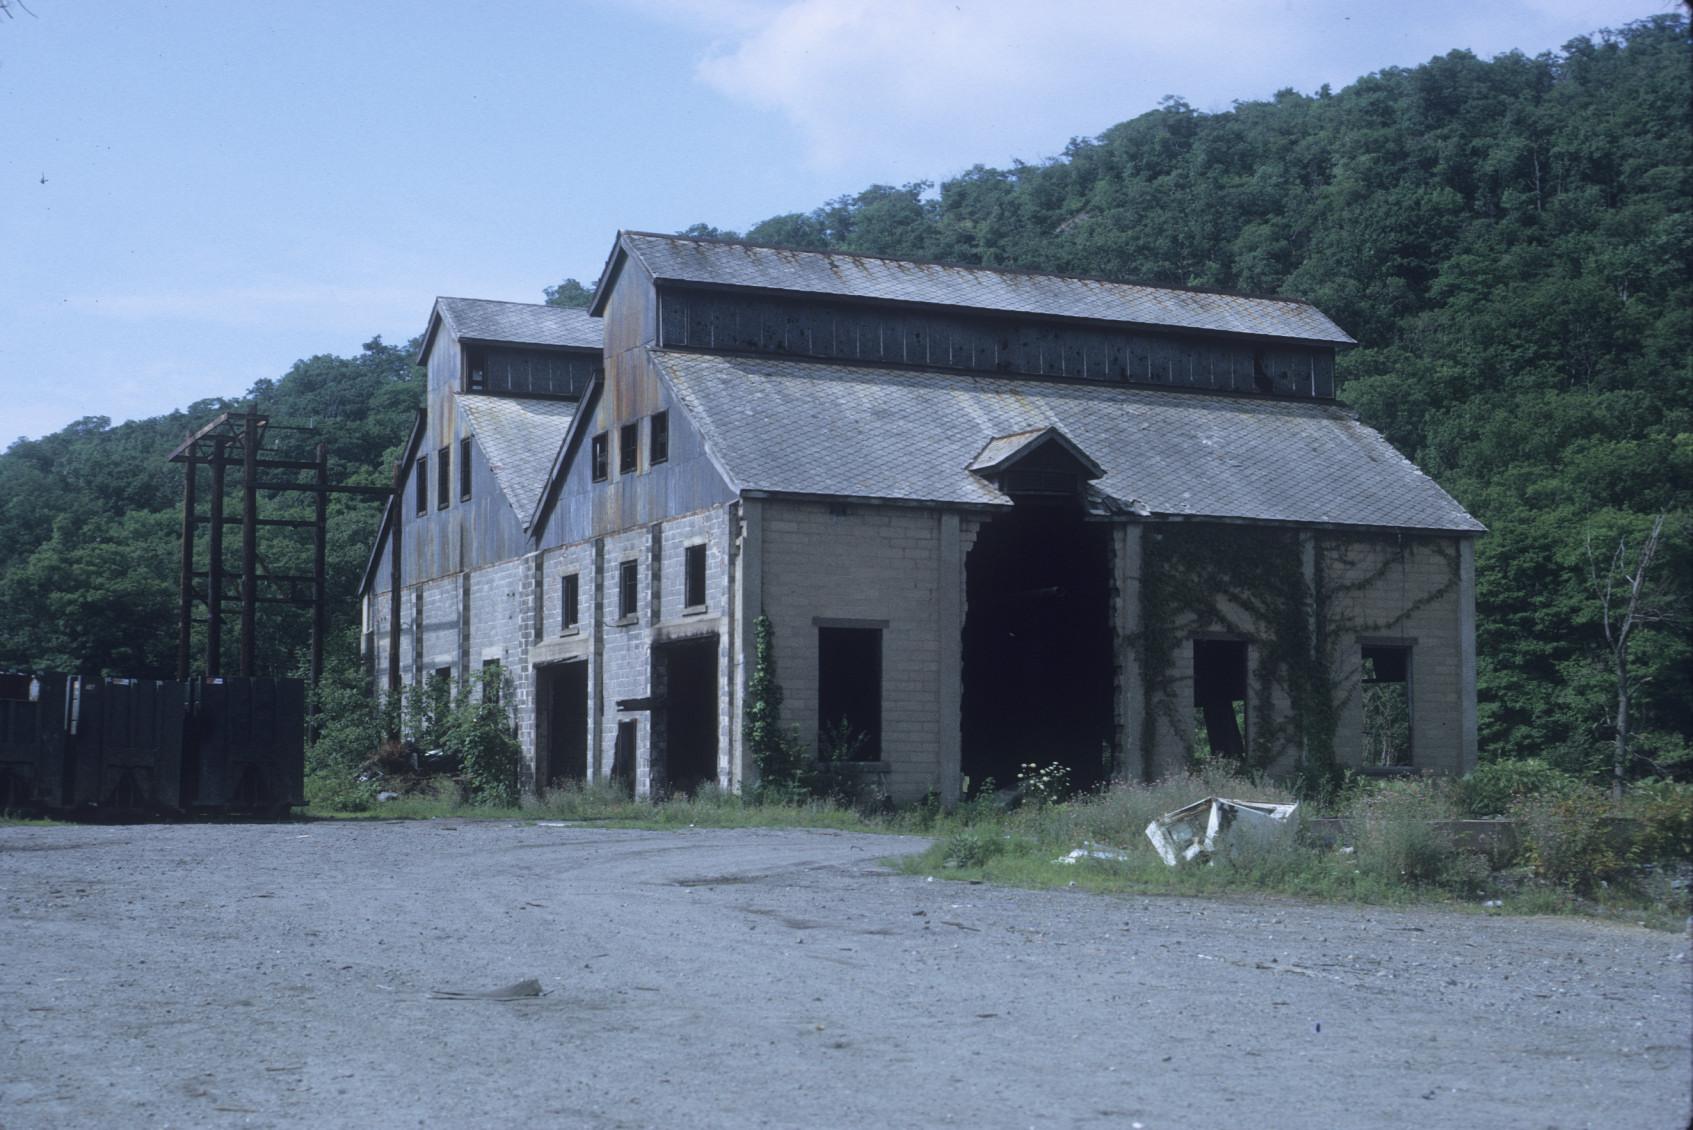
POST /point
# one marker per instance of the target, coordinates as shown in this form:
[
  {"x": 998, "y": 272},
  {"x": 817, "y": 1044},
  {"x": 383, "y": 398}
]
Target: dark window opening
[
  {"x": 1039, "y": 654},
  {"x": 443, "y": 478},
  {"x": 600, "y": 459},
  {"x": 1387, "y": 706},
  {"x": 659, "y": 442},
  {"x": 628, "y": 448},
  {"x": 476, "y": 369},
  {"x": 849, "y": 693},
  {"x": 626, "y": 594},
  {"x": 464, "y": 469},
  {"x": 491, "y": 679},
  {"x": 693, "y": 580},
  {"x": 442, "y": 675},
  {"x": 569, "y": 610},
  {"x": 422, "y": 484},
  {"x": 1219, "y": 699}
]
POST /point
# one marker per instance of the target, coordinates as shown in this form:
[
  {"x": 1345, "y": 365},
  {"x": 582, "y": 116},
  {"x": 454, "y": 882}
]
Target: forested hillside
[{"x": 1508, "y": 240}]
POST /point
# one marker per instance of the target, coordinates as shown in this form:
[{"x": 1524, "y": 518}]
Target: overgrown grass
[{"x": 1398, "y": 846}]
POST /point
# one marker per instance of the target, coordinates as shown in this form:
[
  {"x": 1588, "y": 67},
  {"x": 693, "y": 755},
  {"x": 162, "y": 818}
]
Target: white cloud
[{"x": 940, "y": 84}]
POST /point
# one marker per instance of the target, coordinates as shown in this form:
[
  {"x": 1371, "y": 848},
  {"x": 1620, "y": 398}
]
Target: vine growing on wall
[
  {"x": 1285, "y": 590},
  {"x": 780, "y": 756}
]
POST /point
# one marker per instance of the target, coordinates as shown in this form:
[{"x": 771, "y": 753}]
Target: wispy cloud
[{"x": 945, "y": 83}]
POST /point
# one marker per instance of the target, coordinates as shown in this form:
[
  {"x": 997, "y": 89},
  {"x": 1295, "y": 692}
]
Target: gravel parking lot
[{"x": 280, "y": 975}]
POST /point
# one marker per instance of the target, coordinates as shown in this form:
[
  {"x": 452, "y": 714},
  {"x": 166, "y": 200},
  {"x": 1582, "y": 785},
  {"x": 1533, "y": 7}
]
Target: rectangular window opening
[
  {"x": 658, "y": 444},
  {"x": 491, "y": 679},
  {"x": 1219, "y": 700},
  {"x": 569, "y": 610},
  {"x": 626, "y": 594},
  {"x": 628, "y": 448},
  {"x": 600, "y": 464},
  {"x": 849, "y": 694},
  {"x": 444, "y": 478},
  {"x": 693, "y": 576},
  {"x": 464, "y": 469},
  {"x": 1387, "y": 705},
  {"x": 422, "y": 484},
  {"x": 476, "y": 370}
]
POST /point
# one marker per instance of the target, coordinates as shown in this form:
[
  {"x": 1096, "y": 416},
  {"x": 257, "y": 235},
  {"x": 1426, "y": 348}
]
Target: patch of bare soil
[{"x": 377, "y": 974}]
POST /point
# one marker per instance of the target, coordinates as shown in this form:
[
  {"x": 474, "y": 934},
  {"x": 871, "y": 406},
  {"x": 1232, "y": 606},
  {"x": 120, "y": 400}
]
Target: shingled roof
[
  {"x": 819, "y": 429},
  {"x": 516, "y": 323},
  {"x": 519, "y": 439},
  {"x": 720, "y": 263}
]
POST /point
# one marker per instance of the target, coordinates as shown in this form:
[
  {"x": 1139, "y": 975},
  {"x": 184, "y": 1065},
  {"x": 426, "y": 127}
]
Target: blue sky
[{"x": 194, "y": 194}]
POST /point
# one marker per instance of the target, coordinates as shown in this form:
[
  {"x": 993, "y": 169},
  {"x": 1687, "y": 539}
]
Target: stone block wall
[{"x": 868, "y": 566}]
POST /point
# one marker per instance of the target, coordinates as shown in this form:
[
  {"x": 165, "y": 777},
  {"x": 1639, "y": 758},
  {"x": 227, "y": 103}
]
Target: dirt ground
[{"x": 281, "y": 975}]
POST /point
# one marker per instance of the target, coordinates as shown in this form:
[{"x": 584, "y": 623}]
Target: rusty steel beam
[
  {"x": 249, "y": 541},
  {"x": 214, "y": 562}
]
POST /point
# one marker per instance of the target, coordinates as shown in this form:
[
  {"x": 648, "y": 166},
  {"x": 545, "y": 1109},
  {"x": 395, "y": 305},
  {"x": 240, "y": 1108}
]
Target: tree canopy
[{"x": 1508, "y": 240}]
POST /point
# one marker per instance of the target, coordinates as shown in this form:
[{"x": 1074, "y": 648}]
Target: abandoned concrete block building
[{"x": 993, "y": 518}]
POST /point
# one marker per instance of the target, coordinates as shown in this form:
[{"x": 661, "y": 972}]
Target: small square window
[
  {"x": 626, "y": 595},
  {"x": 693, "y": 576},
  {"x": 628, "y": 449},
  {"x": 658, "y": 443},
  {"x": 443, "y": 478},
  {"x": 422, "y": 485},
  {"x": 464, "y": 469},
  {"x": 600, "y": 463},
  {"x": 569, "y": 606}
]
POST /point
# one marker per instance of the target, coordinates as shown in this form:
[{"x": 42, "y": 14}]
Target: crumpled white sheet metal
[{"x": 1193, "y": 832}]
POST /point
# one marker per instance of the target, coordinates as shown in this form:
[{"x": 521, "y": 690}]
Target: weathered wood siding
[
  {"x": 509, "y": 370},
  {"x": 737, "y": 322}
]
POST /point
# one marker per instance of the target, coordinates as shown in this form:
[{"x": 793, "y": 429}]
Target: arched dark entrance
[{"x": 1038, "y": 655}]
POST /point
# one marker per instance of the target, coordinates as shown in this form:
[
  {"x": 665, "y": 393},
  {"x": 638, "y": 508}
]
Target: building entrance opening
[
  {"x": 1387, "y": 706},
  {"x": 685, "y": 719},
  {"x": 1219, "y": 699},
  {"x": 1038, "y": 658},
  {"x": 561, "y": 723}
]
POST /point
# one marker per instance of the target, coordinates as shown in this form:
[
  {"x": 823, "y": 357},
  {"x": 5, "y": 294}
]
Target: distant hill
[{"x": 1508, "y": 240}]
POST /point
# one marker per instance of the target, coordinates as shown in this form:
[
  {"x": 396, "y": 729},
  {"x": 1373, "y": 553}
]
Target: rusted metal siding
[{"x": 737, "y": 322}]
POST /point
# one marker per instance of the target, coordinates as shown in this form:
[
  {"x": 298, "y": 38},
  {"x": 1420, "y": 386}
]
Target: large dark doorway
[
  {"x": 1038, "y": 660},
  {"x": 685, "y": 721},
  {"x": 561, "y": 723}
]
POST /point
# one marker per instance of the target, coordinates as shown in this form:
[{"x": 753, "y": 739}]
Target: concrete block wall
[
  {"x": 1409, "y": 593},
  {"x": 1413, "y": 597},
  {"x": 872, "y": 564},
  {"x": 711, "y": 529}
]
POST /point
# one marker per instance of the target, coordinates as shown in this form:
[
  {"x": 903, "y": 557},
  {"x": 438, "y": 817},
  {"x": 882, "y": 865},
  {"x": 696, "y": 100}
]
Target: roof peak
[{"x": 1025, "y": 272}]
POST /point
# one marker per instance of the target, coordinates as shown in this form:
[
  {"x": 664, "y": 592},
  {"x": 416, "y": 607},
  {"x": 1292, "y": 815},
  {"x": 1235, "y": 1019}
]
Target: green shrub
[
  {"x": 1573, "y": 840},
  {"x": 973, "y": 847},
  {"x": 478, "y": 732},
  {"x": 349, "y": 730},
  {"x": 1664, "y": 811},
  {"x": 1396, "y": 831},
  {"x": 1490, "y": 789}
]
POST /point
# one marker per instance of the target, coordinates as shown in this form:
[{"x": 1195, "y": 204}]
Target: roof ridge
[{"x": 956, "y": 266}]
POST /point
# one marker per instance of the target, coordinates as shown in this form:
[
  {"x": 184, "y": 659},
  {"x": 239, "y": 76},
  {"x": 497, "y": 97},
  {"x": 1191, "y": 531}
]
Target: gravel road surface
[{"x": 282, "y": 975}]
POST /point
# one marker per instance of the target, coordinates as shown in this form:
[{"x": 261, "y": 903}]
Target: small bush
[
  {"x": 478, "y": 731},
  {"x": 1490, "y": 789},
  {"x": 1396, "y": 830},
  {"x": 1573, "y": 840},
  {"x": 973, "y": 847},
  {"x": 1664, "y": 810}
]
